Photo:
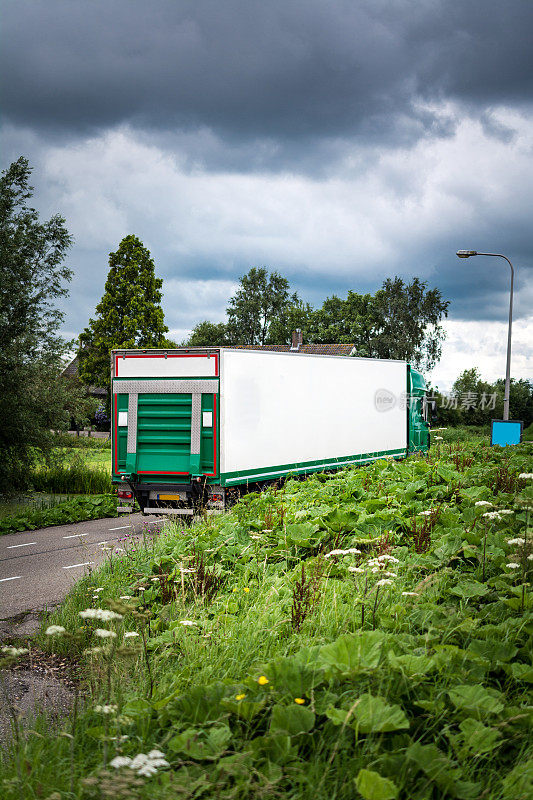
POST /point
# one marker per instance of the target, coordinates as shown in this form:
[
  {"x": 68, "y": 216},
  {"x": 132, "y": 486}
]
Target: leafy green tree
[
  {"x": 128, "y": 315},
  {"x": 297, "y": 315},
  {"x": 208, "y": 334},
  {"x": 402, "y": 320},
  {"x": 260, "y": 299},
  {"x": 406, "y": 322},
  {"x": 33, "y": 276}
]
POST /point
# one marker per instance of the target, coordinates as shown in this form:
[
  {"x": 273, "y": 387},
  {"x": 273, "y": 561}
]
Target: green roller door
[{"x": 170, "y": 432}]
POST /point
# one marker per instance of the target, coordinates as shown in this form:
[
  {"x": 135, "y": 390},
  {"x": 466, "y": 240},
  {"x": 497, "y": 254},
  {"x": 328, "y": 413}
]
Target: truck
[{"x": 197, "y": 427}]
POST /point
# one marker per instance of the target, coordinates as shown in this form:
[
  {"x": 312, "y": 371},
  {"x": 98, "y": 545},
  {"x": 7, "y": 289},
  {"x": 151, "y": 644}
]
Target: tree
[
  {"x": 33, "y": 276},
  {"x": 402, "y": 320},
  {"x": 297, "y": 315},
  {"x": 260, "y": 299},
  {"x": 128, "y": 315},
  {"x": 208, "y": 334}
]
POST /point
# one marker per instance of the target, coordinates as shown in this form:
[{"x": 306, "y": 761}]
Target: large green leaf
[
  {"x": 293, "y": 678},
  {"x": 351, "y": 653},
  {"x": 339, "y": 520},
  {"x": 412, "y": 665},
  {"x": 370, "y": 714},
  {"x": 439, "y": 769},
  {"x": 293, "y": 719},
  {"x": 474, "y": 739},
  {"x": 244, "y": 709},
  {"x": 466, "y": 589},
  {"x": 492, "y": 650},
  {"x": 476, "y": 700},
  {"x": 373, "y": 786},
  {"x": 199, "y": 744},
  {"x": 198, "y": 705},
  {"x": 302, "y": 534}
]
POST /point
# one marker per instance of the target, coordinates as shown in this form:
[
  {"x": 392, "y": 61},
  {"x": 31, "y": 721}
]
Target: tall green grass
[{"x": 71, "y": 478}]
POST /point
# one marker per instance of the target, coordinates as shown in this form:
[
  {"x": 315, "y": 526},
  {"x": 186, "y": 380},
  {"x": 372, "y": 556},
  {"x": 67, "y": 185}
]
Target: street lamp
[{"x": 467, "y": 254}]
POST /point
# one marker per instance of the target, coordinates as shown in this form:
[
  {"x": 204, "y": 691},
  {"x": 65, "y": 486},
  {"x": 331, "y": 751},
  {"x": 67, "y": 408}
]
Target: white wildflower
[
  {"x": 107, "y": 709},
  {"x": 384, "y": 582},
  {"x": 54, "y": 630},
  {"x": 255, "y": 536},
  {"x": 425, "y": 513},
  {"x": 154, "y": 580},
  {"x": 409, "y": 594},
  {"x": 526, "y": 476},
  {"x": 120, "y": 761},
  {"x": 130, "y": 634},
  {"x": 483, "y": 503},
  {"x": 92, "y": 651},
  {"x": 356, "y": 569},
  {"x": 505, "y": 511},
  {"x": 492, "y": 515},
  {"x": 375, "y": 569},
  {"x": 141, "y": 588},
  {"x": 438, "y": 438},
  {"x": 14, "y": 651},
  {"x": 390, "y": 574},
  {"x": 513, "y": 565},
  {"x": 99, "y": 589},
  {"x": 387, "y": 557},
  {"x": 187, "y": 622},
  {"x": 105, "y": 634},
  {"x": 349, "y": 551},
  {"x": 518, "y": 541},
  {"x": 186, "y": 571},
  {"x": 156, "y": 754},
  {"x": 99, "y": 613},
  {"x": 125, "y": 597}
]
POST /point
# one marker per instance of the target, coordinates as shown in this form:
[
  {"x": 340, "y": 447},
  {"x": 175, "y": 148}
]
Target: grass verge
[{"x": 364, "y": 634}]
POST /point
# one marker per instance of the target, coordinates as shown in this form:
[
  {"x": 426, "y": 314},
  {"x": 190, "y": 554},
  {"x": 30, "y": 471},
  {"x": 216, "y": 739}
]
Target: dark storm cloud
[{"x": 276, "y": 70}]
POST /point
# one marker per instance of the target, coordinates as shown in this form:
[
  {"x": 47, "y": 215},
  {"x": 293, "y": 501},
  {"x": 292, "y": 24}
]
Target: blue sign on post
[{"x": 504, "y": 432}]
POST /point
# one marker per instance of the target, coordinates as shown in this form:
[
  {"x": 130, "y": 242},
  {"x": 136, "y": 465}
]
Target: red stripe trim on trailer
[
  {"x": 116, "y": 437},
  {"x": 170, "y": 355}
]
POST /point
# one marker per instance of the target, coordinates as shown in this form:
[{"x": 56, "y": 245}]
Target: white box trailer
[{"x": 189, "y": 424}]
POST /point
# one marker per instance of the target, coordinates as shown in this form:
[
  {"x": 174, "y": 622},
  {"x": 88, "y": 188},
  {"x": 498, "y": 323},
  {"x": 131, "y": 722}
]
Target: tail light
[
  {"x": 217, "y": 497},
  {"x": 124, "y": 495}
]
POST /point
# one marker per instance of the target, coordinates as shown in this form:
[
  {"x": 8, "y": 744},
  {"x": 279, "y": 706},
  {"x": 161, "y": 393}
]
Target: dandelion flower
[
  {"x": 262, "y": 680},
  {"x": 103, "y": 633},
  {"x": 234, "y": 589},
  {"x": 246, "y": 589},
  {"x": 240, "y": 696},
  {"x": 513, "y": 565},
  {"x": 483, "y": 503},
  {"x": 130, "y": 634},
  {"x": 299, "y": 700},
  {"x": 54, "y": 630}
]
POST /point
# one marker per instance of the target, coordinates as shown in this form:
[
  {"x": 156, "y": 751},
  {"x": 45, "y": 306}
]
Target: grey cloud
[{"x": 278, "y": 71}]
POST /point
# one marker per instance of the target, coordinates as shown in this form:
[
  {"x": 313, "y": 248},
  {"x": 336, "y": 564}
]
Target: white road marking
[
  {"x": 122, "y": 527},
  {"x": 14, "y": 578},
  {"x": 74, "y": 535},
  {"x": 26, "y": 544},
  {"x": 153, "y": 521},
  {"x": 85, "y": 564}
]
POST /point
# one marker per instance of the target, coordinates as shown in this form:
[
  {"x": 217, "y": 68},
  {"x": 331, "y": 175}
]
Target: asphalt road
[{"x": 37, "y": 568}]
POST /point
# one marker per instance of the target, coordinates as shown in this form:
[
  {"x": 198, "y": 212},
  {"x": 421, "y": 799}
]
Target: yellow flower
[
  {"x": 240, "y": 696},
  {"x": 262, "y": 680},
  {"x": 234, "y": 588},
  {"x": 299, "y": 700},
  {"x": 246, "y": 589}
]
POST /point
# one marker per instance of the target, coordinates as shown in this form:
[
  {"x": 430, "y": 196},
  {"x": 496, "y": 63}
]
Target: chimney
[{"x": 296, "y": 340}]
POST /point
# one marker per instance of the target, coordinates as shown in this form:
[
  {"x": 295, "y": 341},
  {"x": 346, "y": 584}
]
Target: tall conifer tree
[{"x": 128, "y": 315}]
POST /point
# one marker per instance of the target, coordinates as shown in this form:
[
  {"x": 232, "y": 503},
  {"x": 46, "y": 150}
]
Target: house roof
[
  {"x": 309, "y": 349},
  {"x": 71, "y": 371}
]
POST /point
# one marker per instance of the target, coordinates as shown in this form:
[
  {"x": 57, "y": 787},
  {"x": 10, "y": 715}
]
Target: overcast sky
[{"x": 339, "y": 142}]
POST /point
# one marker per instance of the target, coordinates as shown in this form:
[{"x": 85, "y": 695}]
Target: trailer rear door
[{"x": 165, "y": 426}]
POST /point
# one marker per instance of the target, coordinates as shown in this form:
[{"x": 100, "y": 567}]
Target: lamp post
[{"x": 467, "y": 254}]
